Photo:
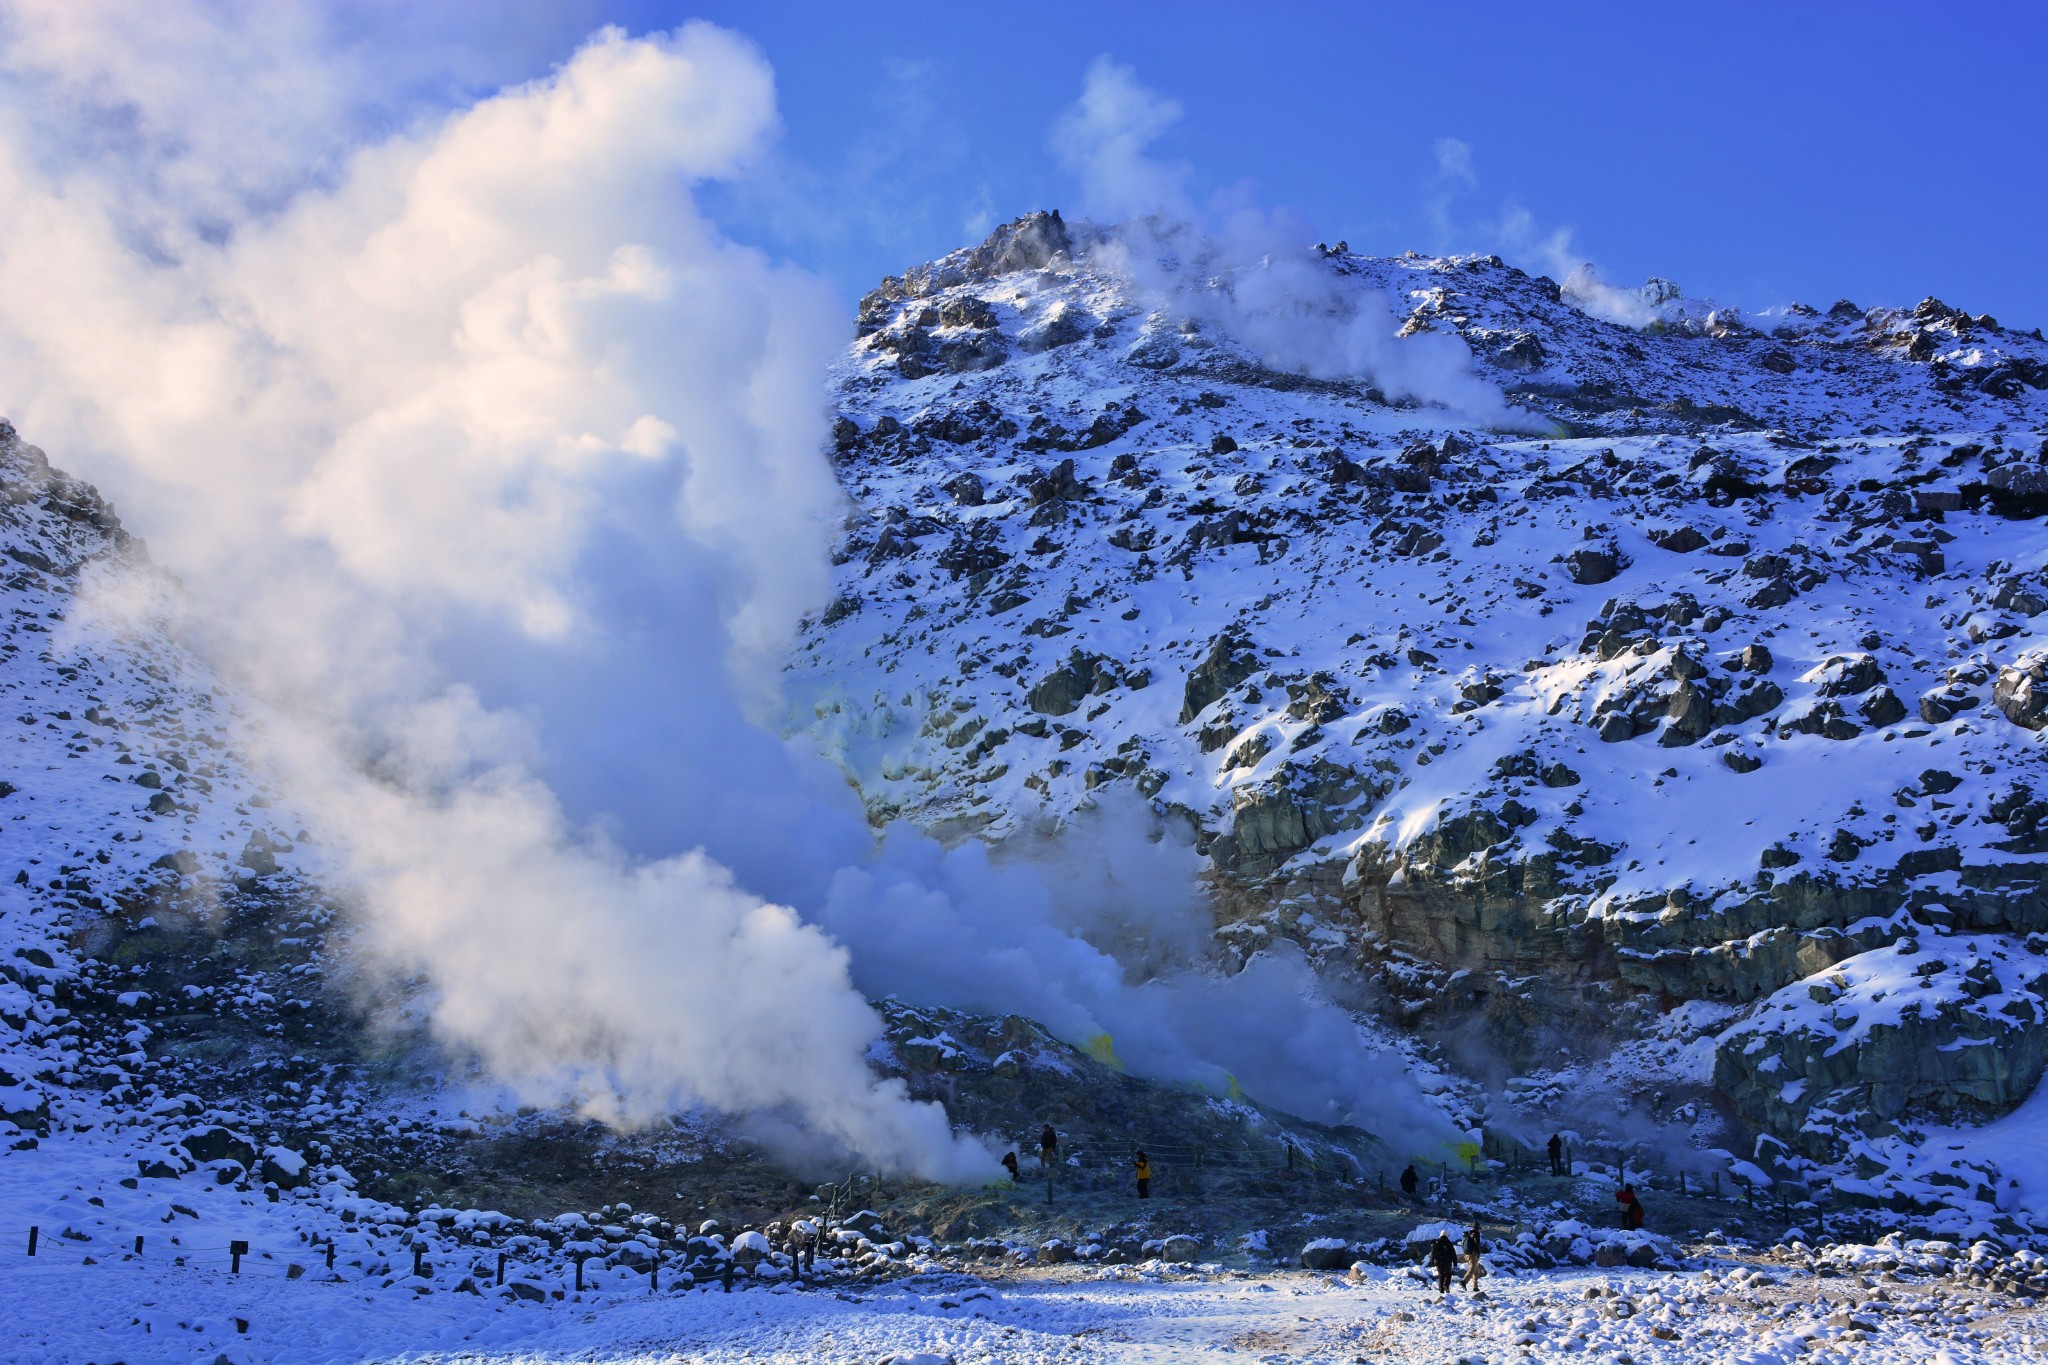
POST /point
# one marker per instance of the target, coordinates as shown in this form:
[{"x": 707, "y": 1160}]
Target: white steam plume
[
  {"x": 1517, "y": 236},
  {"x": 496, "y": 472},
  {"x": 385, "y": 419},
  {"x": 1254, "y": 277},
  {"x": 1102, "y": 940},
  {"x": 1104, "y": 142}
]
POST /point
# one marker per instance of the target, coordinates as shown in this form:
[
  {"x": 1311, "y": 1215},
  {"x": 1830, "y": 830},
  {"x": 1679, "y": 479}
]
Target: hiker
[
  {"x": 1631, "y": 1208},
  {"x": 1409, "y": 1180},
  {"x": 1048, "y": 1146},
  {"x": 1444, "y": 1257},
  {"x": 1142, "y": 1168},
  {"x": 1473, "y": 1248},
  {"x": 1556, "y": 1155},
  {"x": 1010, "y": 1164}
]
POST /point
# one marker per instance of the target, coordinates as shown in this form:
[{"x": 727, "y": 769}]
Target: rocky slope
[
  {"x": 184, "y": 1010},
  {"x": 1707, "y": 673}
]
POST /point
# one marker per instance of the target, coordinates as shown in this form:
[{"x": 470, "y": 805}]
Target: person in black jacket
[
  {"x": 1010, "y": 1164},
  {"x": 1474, "y": 1248},
  {"x": 1048, "y": 1146},
  {"x": 1409, "y": 1180},
  {"x": 1556, "y": 1155},
  {"x": 1444, "y": 1257}
]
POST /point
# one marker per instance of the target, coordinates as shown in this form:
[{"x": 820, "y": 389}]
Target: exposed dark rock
[
  {"x": 219, "y": 1144},
  {"x": 1525, "y": 352},
  {"x": 1682, "y": 541},
  {"x": 1595, "y": 564},
  {"x": 1229, "y": 661},
  {"x": 1084, "y": 675}
]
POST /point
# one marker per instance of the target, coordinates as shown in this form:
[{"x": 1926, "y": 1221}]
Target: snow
[
  {"x": 2016, "y": 1146},
  {"x": 87, "y": 1296}
]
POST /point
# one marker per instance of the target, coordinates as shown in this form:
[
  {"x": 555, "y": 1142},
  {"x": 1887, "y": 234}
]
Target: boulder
[
  {"x": 283, "y": 1168},
  {"x": 1058, "y": 484},
  {"x": 1027, "y": 243},
  {"x": 259, "y": 854},
  {"x": 1155, "y": 352},
  {"x": 219, "y": 1144},
  {"x": 1083, "y": 675},
  {"x": 966, "y": 311},
  {"x": 1525, "y": 352},
  {"x": 1690, "y": 715},
  {"x": 1326, "y": 1253},
  {"x": 1882, "y": 707},
  {"x": 1847, "y": 675},
  {"x": 1180, "y": 1250},
  {"x": 2021, "y": 691},
  {"x": 1230, "y": 661},
  {"x": 750, "y": 1248},
  {"x": 1593, "y": 564},
  {"x": 1063, "y": 324},
  {"x": 1682, "y": 540}
]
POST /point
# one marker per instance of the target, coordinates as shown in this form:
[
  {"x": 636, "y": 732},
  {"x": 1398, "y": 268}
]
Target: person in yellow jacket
[{"x": 1141, "y": 1166}]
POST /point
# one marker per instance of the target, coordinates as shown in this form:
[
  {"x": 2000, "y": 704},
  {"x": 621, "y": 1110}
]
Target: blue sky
[{"x": 1757, "y": 154}]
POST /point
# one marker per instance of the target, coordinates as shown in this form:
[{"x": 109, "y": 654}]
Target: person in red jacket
[{"x": 1631, "y": 1208}]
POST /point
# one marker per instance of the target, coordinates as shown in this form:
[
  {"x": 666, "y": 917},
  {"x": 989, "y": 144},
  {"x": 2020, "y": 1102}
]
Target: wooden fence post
[
  {"x": 236, "y": 1251},
  {"x": 34, "y": 1233}
]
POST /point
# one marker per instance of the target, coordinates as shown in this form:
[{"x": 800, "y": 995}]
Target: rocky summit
[{"x": 1648, "y": 709}]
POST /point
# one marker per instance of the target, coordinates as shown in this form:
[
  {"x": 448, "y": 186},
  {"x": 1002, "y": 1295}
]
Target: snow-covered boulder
[{"x": 1326, "y": 1253}]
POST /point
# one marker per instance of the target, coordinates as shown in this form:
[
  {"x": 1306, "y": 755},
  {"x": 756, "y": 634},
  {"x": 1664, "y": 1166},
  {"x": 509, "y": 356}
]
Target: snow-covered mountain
[
  {"x": 1671, "y": 730},
  {"x": 1643, "y": 718}
]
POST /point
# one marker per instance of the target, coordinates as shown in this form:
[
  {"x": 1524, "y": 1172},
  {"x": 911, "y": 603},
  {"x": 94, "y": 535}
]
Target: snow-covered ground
[{"x": 87, "y": 1295}]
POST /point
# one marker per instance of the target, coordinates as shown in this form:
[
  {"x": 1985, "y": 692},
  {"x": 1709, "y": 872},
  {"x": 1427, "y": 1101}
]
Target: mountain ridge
[{"x": 1726, "y": 678}]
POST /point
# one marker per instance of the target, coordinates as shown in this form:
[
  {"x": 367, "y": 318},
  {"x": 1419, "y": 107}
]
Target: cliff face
[{"x": 1706, "y": 663}]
